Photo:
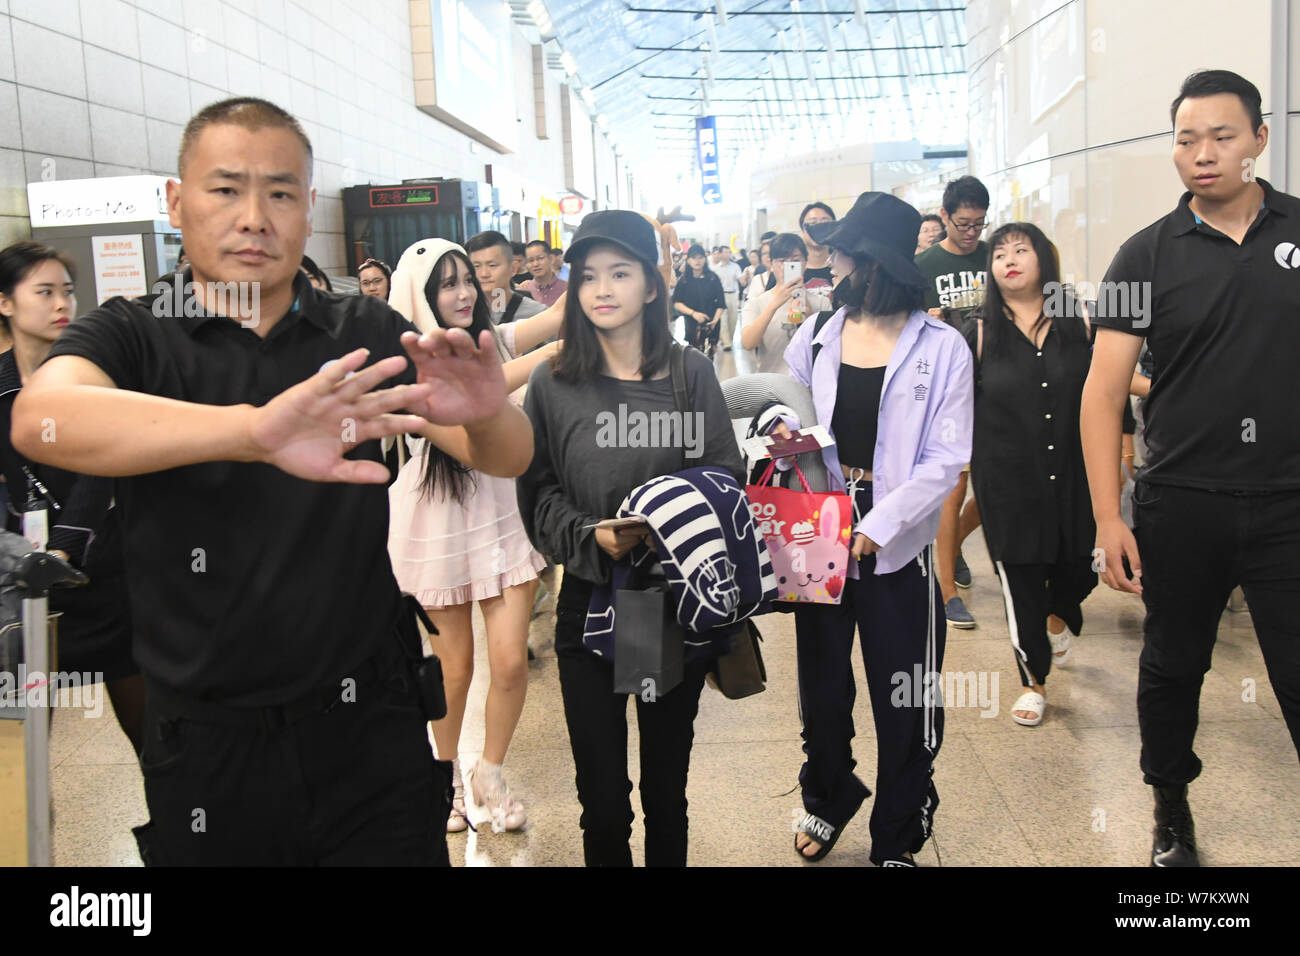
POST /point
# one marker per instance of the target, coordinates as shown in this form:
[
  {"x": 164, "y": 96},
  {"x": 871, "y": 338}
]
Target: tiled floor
[{"x": 1065, "y": 793}]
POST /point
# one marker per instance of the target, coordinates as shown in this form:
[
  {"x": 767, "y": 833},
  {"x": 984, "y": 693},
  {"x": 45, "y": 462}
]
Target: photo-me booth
[{"x": 114, "y": 229}]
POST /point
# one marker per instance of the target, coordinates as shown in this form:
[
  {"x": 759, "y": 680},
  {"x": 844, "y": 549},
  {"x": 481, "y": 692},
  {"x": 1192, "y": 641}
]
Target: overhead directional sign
[{"x": 706, "y": 149}]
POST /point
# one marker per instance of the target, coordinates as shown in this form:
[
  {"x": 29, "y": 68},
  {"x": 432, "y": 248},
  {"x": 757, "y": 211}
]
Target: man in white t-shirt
[{"x": 729, "y": 274}]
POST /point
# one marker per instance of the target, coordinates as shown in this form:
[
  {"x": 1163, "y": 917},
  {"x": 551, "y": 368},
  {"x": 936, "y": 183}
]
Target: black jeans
[
  {"x": 597, "y": 720},
  {"x": 353, "y": 783},
  {"x": 1196, "y": 546},
  {"x": 900, "y": 620}
]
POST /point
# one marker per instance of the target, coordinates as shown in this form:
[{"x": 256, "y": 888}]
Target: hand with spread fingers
[
  {"x": 465, "y": 382},
  {"x": 307, "y": 429}
]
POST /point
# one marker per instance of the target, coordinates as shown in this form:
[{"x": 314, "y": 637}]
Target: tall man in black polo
[
  {"x": 282, "y": 724},
  {"x": 1214, "y": 289}
]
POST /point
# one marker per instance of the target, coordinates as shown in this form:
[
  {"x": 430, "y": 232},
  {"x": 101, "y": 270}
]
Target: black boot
[{"x": 1175, "y": 834}]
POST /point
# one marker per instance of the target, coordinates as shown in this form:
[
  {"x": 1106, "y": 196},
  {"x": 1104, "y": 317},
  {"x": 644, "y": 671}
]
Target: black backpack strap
[
  {"x": 677, "y": 368},
  {"x": 516, "y": 300},
  {"x": 819, "y": 320},
  {"x": 681, "y": 397}
]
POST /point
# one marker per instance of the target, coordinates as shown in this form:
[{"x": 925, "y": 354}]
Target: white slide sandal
[
  {"x": 1061, "y": 645},
  {"x": 1033, "y": 702}
]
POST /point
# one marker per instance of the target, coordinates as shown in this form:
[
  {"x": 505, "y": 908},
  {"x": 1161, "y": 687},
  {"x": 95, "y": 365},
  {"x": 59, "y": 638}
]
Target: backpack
[
  {"x": 512, "y": 307},
  {"x": 819, "y": 319}
]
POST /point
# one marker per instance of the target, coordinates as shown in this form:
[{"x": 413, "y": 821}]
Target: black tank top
[{"x": 857, "y": 407}]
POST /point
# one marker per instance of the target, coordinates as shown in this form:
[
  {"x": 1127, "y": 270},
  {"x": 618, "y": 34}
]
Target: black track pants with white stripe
[
  {"x": 900, "y": 619},
  {"x": 1030, "y": 592}
]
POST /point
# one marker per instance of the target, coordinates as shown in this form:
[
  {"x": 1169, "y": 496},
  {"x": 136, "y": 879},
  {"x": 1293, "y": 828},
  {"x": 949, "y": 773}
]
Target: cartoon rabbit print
[{"x": 810, "y": 566}]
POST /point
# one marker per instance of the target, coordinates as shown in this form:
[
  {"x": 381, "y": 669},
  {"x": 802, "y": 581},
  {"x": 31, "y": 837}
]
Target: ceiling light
[
  {"x": 537, "y": 10},
  {"x": 569, "y": 63},
  {"x": 588, "y": 97}
]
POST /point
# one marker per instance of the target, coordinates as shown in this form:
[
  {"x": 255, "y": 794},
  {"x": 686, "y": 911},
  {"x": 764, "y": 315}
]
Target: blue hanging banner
[{"x": 706, "y": 149}]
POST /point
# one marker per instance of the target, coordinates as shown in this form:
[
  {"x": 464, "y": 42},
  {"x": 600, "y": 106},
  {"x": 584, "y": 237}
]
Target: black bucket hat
[
  {"x": 882, "y": 227},
  {"x": 628, "y": 229}
]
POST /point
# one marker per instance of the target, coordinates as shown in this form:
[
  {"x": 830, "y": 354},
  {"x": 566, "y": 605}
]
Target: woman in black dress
[
  {"x": 36, "y": 305},
  {"x": 1032, "y": 356},
  {"x": 699, "y": 298}
]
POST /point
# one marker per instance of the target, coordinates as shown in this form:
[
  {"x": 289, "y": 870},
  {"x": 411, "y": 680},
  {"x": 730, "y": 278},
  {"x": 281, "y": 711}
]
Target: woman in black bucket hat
[{"x": 895, "y": 389}]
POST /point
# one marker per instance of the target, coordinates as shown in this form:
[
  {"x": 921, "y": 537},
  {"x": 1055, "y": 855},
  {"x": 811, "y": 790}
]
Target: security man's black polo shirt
[
  {"x": 1222, "y": 323},
  {"x": 248, "y": 586}
]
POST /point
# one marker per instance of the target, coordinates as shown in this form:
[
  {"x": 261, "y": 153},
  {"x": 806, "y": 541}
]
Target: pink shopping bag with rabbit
[{"x": 807, "y": 535}]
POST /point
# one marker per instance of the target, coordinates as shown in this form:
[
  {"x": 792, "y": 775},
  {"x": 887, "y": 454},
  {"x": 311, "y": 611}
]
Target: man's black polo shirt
[
  {"x": 1222, "y": 323},
  {"x": 248, "y": 586}
]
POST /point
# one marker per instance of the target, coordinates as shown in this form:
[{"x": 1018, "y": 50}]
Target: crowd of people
[{"x": 435, "y": 442}]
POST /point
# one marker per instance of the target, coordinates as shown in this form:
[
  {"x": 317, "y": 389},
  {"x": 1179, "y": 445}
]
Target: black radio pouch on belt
[{"x": 427, "y": 671}]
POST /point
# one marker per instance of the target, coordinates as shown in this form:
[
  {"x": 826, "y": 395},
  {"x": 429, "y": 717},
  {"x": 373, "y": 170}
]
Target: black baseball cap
[{"x": 622, "y": 227}]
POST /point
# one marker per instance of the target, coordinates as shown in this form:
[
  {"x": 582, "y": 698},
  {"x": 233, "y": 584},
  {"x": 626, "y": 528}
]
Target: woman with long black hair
[
  {"x": 1032, "y": 357},
  {"x": 456, "y": 539},
  {"x": 616, "y": 360}
]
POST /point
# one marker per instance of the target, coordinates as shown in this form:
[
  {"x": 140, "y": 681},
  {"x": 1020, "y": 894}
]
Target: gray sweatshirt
[{"x": 595, "y": 441}]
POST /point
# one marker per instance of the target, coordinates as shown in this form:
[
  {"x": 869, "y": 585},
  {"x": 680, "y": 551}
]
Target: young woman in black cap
[
  {"x": 617, "y": 349},
  {"x": 700, "y": 299},
  {"x": 894, "y": 386}
]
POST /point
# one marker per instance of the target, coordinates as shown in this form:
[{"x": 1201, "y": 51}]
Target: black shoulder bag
[{"x": 739, "y": 672}]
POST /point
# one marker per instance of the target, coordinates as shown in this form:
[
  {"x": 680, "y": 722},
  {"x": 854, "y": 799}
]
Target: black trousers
[
  {"x": 1196, "y": 546},
  {"x": 353, "y": 783},
  {"x": 899, "y": 618},
  {"x": 597, "y": 720},
  {"x": 1033, "y": 591}
]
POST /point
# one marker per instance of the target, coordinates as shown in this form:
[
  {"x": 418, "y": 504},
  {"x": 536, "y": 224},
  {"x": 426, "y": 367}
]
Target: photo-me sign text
[
  {"x": 83, "y": 202},
  {"x": 462, "y": 58}
]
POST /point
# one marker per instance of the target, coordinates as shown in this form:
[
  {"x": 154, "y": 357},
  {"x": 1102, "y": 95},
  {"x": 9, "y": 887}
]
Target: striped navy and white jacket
[{"x": 708, "y": 554}]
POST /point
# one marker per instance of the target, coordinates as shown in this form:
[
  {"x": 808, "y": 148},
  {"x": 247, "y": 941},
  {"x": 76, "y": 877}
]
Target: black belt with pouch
[{"x": 425, "y": 670}]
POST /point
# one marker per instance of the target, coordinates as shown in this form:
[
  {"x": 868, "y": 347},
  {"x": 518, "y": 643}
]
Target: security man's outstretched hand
[
  {"x": 466, "y": 383},
  {"x": 306, "y": 429}
]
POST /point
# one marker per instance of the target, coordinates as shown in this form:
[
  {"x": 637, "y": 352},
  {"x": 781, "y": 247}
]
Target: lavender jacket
[{"x": 924, "y": 435}]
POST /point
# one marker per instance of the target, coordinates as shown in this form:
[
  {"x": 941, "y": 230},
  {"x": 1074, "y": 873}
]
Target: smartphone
[
  {"x": 621, "y": 525},
  {"x": 793, "y": 270}
]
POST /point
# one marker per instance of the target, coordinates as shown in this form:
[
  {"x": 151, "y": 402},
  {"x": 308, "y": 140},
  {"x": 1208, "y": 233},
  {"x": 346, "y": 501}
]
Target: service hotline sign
[{"x": 119, "y": 267}]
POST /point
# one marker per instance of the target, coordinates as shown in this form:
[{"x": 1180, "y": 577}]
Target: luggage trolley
[{"x": 27, "y": 573}]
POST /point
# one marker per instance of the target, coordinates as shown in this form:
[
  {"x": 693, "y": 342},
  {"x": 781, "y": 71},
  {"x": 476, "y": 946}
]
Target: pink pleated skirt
[{"x": 447, "y": 553}]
